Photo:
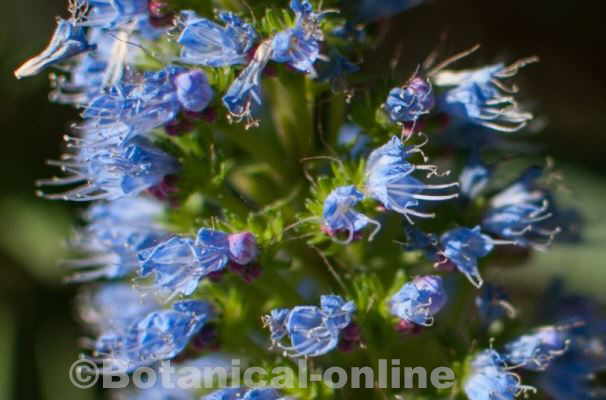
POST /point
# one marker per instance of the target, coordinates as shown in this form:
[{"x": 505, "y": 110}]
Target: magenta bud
[{"x": 242, "y": 247}]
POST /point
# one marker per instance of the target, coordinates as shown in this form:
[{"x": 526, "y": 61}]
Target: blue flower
[
  {"x": 68, "y": 41},
  {"x": 490, "y": 379},
  {"x": 128, "y": 221},
  {"x": 493, "y": 304},
  {"x": 207, "y": 43},
  {"x": 261, "y": 393},
  {"x": 536, "y": 351},
  {"x": 179, "y": 263},
  {"x": 299, "y": 46},
  {"x": 312, "y": 331},
  {"x": 244, "y": 94},
  {"x": 411, "y": 101},
  {"x": 480, "y": 97},
  {"x": 389, "y": 180},
  {"x": 115, "y": 233},
  {"x": 339, "y": 215},
  {"x": 475, "y": 177},
  {"x": 193, "y": 91},
  {"x": 114, "y": 306},
  {"x": 521, "y": 213},
  {"x": 114, "y": 172},
  {"x": 113, "y": 14},
  {"x": 141, "y": 103},
  {"x": 463, "y": 247},
  {"x": 160, "y": 335},
  {"x": 417, "y": 302}
]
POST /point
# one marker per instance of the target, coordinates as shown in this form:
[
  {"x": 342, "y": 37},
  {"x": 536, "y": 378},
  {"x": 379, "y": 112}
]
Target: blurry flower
[
  {"x": 475, "y": 177},
  {"x": 536, "y": 351},
  {"x": 481, "y": 97},
  {"x": 490, "y": 379}
]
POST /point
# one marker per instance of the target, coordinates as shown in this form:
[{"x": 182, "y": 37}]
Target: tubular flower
[
  {"x": 411, "y": 101},
  {"x": 463, "y": 247},
  {"x": 160, "y": 335},
  {"x": 179, "y": 263},
  {"x": 206, "y": 43},
  {"x": 138, "y": 105},
  {"x": 245, "y": 394},
  {"x": 481, "y": 97},
  {"x": 299, "y": 46},
  {"x": 536, "y": 350},
  {"x": 521, "y": 213},
  {"x": 389, "y": 180},
  {"x": 112, "y": 14},
  {"x": 491, "y": 379},
  {"x": 68, "y": 41},
  {"x": 417, "y": 302},
  {"x": 312, "y": 331},
  {"x": 244, "y": 94},
  {"x": 114, "y": 172},
  {"x": 115, "y": 233},
  {"x": 339, "y": 214}
]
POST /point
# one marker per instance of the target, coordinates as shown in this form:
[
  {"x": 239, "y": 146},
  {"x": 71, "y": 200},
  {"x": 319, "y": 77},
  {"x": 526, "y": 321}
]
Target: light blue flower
[
  {"x": 481, "y": 97},
  {"x": 463, "y": 247},
  {"x": 207, "y": 43},
  {"x": 113, "y": 14},
  {"x": 299, "y": 46},
  {"x": 179, "y": 263},
  {"x": 411, "y": 101},
  {"x": 114, "y": 306},
  {"x": 419, "y": 301},
  {"x": 339, "y": 214},
  {"x": 312, "y": 331},
  {"x": 521, "y": 213},
  {"x": 68, "y": 41},
  {"x": 490, "y": 379},
  {"x": 114, "y": 172},
  {"x": 244, "y": 95},
  {"x": 536, "y": 351},
  {"x": 160, "y": 335},
  {"x": 260, "y": 393},
  {"x": 389, "y": 180}
]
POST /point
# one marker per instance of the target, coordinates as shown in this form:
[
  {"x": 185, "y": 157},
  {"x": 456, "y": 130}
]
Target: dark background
[{"x": 38, "y": 335}]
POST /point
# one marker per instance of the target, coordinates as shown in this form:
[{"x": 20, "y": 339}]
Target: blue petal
[{"x": 68, "y": 40}]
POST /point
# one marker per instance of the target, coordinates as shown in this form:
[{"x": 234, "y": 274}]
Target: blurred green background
[{"x": 38, "y": 331}]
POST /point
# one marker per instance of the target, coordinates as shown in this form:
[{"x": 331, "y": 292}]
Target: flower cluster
[{"x": 180, "y": 194}]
